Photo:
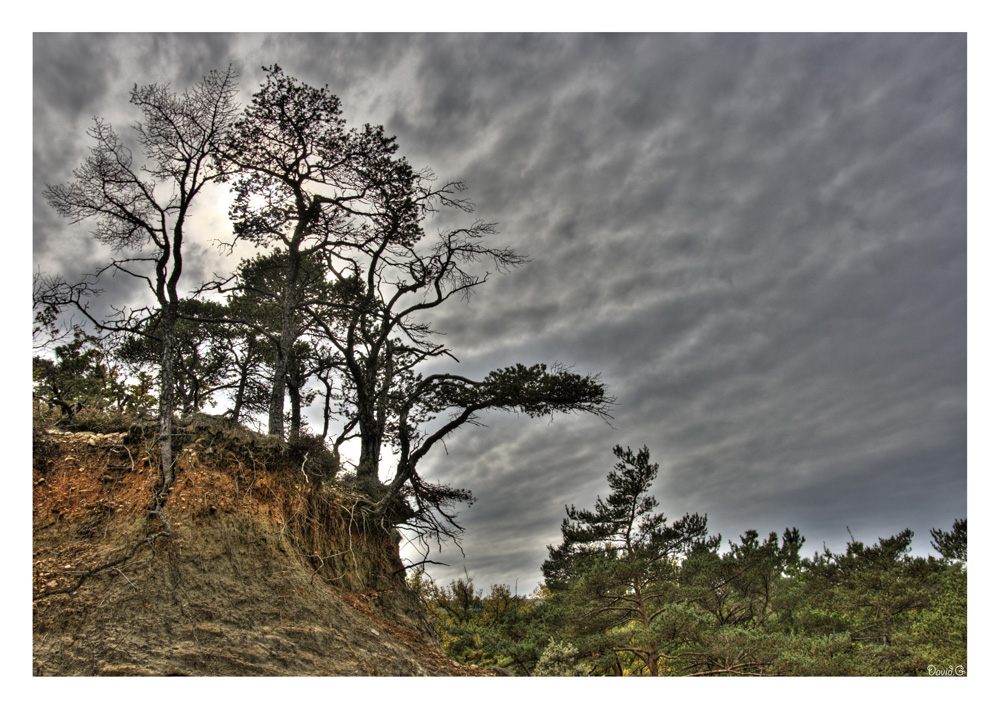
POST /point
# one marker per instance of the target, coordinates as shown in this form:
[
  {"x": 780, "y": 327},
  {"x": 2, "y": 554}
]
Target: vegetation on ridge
[{"x": 628, "y": 593}]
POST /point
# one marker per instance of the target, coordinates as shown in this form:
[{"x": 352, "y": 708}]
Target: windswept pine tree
[{"x": 617, "y": 567}]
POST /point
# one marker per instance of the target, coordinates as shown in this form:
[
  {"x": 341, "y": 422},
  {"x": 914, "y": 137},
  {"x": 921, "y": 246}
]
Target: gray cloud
[{"x": 758, "y": 240}]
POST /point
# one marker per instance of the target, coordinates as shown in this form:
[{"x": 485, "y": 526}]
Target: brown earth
[{"x": 265, "y": 570}]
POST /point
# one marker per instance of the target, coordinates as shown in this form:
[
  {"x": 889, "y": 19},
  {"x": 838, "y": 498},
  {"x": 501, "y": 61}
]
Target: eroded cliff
[{"x": 264, "y": 569}]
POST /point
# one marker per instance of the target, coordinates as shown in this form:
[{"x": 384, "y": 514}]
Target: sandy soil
[{"x": 265, "y": 572}]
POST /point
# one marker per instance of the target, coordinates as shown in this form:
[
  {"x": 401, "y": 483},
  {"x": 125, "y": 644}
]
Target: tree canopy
[{"x": 626, "y": 593}]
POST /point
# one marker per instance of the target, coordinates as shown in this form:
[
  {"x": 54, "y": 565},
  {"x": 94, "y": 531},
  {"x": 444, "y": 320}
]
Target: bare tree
[{"x": 141, "y": 211}]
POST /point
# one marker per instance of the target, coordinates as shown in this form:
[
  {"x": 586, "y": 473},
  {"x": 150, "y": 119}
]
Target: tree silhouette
[
  {"x": 306, "y": 184},
  {"x": 340, "y": 294},
  {"x": 142, "y": 211},
  {"x": 341, "y": 206}
]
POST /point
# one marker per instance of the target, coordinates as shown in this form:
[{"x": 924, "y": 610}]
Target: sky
[{"x": 758, "y": 241}]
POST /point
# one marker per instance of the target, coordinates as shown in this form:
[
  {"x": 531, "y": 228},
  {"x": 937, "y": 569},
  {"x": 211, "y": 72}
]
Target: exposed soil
[{"x": 265, "y": 571}]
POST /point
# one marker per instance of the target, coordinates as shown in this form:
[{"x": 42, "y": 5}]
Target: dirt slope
[{"x": 265, "y": 570}]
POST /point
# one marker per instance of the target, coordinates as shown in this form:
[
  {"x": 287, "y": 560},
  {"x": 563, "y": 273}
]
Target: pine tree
[
  {"x": 953, "y": 545},
  {"x": 616, "y": 566}
]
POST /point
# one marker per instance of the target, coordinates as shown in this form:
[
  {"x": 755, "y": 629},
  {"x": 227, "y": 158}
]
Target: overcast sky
[{"x": 759, "y": 242}]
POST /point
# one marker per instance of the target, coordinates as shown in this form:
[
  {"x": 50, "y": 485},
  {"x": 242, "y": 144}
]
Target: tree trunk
[
  {"x": 652, "y": 656},
  {"x": 276, "y": 410},
  {"x": 371, "y": 439},
  {"x": 240, "y": 391},
  {"x": 373, "y": 412},
  {"x": 295, "y": 397},
  {"x": 328, "y": 397},
  {"x": 167, "y": 386}
]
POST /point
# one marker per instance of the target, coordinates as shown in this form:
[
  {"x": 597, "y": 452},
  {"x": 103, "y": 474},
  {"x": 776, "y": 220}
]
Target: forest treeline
[{"x": 627, "y": 593}]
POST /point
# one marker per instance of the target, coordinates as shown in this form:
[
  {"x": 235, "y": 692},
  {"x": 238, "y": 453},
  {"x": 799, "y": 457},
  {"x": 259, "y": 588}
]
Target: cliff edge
[{"x": 256, "y": 567}]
